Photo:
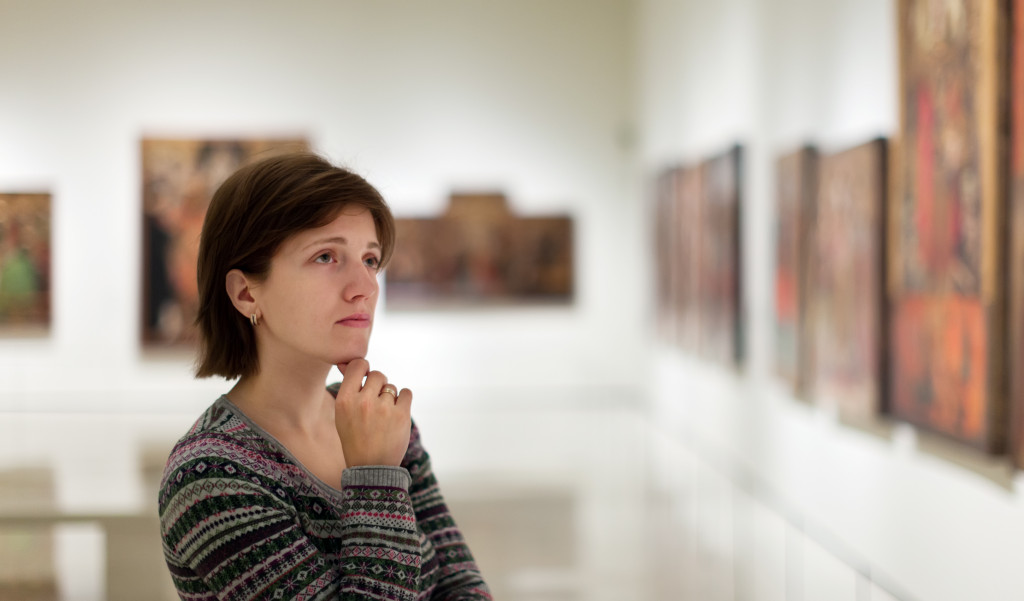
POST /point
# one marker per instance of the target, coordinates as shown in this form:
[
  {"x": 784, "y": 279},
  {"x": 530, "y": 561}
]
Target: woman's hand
[{"x": 373, "y": 424}]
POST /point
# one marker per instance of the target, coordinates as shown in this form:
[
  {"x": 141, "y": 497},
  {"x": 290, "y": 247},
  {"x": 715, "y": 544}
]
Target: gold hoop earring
[{"x": 255, "y": 320}]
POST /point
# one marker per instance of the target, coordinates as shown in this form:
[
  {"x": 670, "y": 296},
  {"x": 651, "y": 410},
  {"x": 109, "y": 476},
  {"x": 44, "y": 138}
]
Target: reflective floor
[{"x": 584, "y": 503}]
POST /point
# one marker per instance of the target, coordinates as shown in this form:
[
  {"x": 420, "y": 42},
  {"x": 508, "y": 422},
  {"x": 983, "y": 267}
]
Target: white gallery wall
[
  {"x": 527, "y": 98},
  {"x": 812, "y": 509},
  {"x": 565, "y": 106}
]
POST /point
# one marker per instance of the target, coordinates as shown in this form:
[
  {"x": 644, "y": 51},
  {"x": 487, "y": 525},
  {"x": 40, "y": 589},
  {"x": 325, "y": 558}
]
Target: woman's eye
[
  {"x": 323, "y": 258},
  {"x": 373, "y": 262}
]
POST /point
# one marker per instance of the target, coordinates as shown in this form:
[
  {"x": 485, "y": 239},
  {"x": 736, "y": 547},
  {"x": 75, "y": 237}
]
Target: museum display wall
[{"x": 798, "y": 496}]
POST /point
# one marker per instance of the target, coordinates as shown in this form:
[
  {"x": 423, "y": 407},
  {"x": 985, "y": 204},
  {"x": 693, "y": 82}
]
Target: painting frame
[
  {"x": 795, "y": 199},
  {"x": 721, "y": 335},
  {"x": 849, "y": 309},
  {"x": 479, "y": 253},
  {"x": 688, "y": 188},
  {"x": 178, "y": 179},
  {"x": 26, "y": 264},
  {"x": 946, "y": 218}
]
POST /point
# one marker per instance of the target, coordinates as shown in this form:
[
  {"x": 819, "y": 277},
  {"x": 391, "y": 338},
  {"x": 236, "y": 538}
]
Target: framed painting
[
  {"x": 478, "y": 254},
  {"x": 25, "y": 263},
  {"x": 720, "y": 279},
  {"x": 795, "y": 190},
  {"x": 665, "y": 257},
  {"x": 1015, "y": 347},
  {"x": 848, "y": 315},
  {"x": 946, "y": 214},
  {"x": 179, "y": 178},
  {"x": 688, "y": 228}
]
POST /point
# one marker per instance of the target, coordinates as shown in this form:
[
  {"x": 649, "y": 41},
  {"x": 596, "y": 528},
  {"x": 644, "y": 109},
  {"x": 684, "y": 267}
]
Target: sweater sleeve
[
  {"x": 458, "y": 577},
  {"x": 231, "y": 533}
]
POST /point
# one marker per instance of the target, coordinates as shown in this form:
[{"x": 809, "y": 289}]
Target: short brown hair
[{"x": 256, "y": 209}]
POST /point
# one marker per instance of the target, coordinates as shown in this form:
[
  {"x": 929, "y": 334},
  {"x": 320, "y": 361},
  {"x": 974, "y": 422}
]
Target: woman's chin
[{"x": 342, "y": 361}]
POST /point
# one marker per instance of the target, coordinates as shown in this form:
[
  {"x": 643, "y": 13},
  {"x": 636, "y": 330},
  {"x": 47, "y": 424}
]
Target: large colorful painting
[
  {"x": 796, "y": 181},
  {"x": 478, "y": 253},
  {"x": 721, "y": 324},
  {"x": 848, "y": 307},
  {"x": 179, "y": 178},
  {"x": 946, "y": 276},
  {"x": 1016, "y": 246},
  {"x": 24, "y": 263}
]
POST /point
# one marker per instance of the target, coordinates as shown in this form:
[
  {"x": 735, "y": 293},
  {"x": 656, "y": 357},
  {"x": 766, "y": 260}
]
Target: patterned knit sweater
[{"x": 241, "y": 519}]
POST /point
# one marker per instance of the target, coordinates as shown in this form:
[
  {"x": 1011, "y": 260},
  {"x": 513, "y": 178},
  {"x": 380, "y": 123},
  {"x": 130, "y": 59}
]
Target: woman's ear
[{"x": 239, "y": 288}]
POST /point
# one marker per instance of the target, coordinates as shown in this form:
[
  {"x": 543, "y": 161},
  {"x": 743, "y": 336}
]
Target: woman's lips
[{"x": 358, "y": 320}]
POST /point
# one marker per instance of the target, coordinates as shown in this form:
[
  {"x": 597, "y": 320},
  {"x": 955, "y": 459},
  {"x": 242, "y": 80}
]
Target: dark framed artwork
[
  {"x": 665, "y": 256},
  {"x": 179, "y": 178},
  {"x": 721, "y": 323},
  {"x": 795, "y": 190},
  {"x": 1015, "y": 347},
  {"x": 479, "y": 254},
  {"x": 849, "y": 317},
  {"x": 946, "y": 257},
  {"x": 689, "y": 197},
  {"x": 25, "y": 288}
]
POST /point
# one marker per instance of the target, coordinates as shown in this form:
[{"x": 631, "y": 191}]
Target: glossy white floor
[{"x": 589, "y": 502}]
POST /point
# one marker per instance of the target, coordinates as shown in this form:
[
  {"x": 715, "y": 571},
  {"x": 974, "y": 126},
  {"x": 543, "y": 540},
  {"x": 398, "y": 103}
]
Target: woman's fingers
[
  {"x": 404, "y": 400},
  {"x": 353, "y": 374},
  {"x": 375, "y": 382},
  {"x": 372, "y": 416}
]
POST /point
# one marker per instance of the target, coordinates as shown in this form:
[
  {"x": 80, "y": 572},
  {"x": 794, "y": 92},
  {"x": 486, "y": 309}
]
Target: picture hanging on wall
[
  {"x": 24, "y": 263},
  {"x": 848, "y": 314},
  {"x": 721, "y": 323},
  {"x": 179, "y": 178},
  {"x": 796, "y": 181},
  {"x": 689, "y": 197},
  {"x": 1015, "y": 347},
  {"x": 665, "y": 258},
  {"x": 480, "y": 254},
  {"x": 945, "y": 260}
]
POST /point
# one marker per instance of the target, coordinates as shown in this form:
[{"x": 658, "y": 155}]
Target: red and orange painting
[
  {"x": 946, "y": 260},
  {"x": 479, "y": 254}
]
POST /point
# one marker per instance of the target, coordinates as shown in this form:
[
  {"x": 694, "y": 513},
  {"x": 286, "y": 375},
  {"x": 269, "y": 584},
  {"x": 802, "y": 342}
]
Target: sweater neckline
[{"x": 226, "y": 403}]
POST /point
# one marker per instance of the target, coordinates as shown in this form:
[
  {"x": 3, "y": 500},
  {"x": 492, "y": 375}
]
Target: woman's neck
[{"x": 284, "y": 399}]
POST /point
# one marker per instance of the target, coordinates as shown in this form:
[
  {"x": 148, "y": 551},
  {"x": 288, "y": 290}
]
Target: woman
[{"x": 285, "y": 489}]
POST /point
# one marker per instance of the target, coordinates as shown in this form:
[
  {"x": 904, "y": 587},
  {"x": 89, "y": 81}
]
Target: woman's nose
[{"x": 360, "y": 283}]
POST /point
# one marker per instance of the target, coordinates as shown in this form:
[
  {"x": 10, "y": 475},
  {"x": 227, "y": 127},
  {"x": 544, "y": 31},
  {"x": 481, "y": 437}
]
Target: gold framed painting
[{"x": 946, "y": 263}]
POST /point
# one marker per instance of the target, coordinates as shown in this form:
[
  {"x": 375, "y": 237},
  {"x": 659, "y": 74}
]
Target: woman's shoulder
[{"x": 219, "y": 438}]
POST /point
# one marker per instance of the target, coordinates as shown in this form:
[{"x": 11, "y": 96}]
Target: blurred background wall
[{"x": 690, "y": 482}]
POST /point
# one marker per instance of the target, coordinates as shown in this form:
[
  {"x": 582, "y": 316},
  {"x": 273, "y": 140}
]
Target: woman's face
[{"x": 318, "y": 300}]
